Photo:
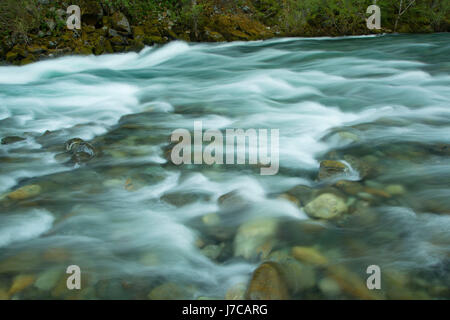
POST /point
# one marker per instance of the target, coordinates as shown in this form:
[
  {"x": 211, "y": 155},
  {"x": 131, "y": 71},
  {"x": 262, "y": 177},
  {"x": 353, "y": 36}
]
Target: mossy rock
[
  {"x": 16, "y": 54},
  {"x": 152, "y": 39},
  {"x": 84, "y": 50},
  {"x": 120, "y": 22},
  {"x": 213, "y": 36},
  {"x": 27, "y": 60},
  {"x": 138, "y": 33},
  {"x": 91, "y": 12},
  {"x": 239, "y": 27}
]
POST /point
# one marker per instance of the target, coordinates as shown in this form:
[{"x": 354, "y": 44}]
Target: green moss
[{"x": 157, "y": 21}]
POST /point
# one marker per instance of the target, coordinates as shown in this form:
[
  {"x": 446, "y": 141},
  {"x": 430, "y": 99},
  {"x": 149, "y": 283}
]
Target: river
[{"x": 140, "y": 227}]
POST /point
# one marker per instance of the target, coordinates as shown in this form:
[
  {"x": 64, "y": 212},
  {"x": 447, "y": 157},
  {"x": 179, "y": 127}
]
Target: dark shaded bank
[{"x": 34, "y": 29}]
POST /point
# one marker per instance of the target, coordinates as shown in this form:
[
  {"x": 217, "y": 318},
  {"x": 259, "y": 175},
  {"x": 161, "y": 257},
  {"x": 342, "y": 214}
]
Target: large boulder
[{"x": 326, "y": 206}]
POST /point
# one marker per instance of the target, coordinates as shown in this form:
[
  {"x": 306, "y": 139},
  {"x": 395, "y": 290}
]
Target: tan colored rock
[
  {"x": 3, "y": 294},
  {"x": 25, "y": 192},
  {"x": 395, "y": 189},
  {"x": 21, "y": 282},
  {"x": 309, "y": 255},
  {"x": 236, "y": 292},
  {"x": 167, "y": 291},
  {"x": 326, "y": 206},
  {"x": 329, "y": 287},
  {"x": 211, "y": 219},
  {"x": 255, "y": 237},
  {"x": 350, "y": 187},
  {"x": 56, "y": 255},
  {"x": 351, "y": 283},
  {"x": 330, "y": 168},
  {"x": 267, "y": 283},
  {"x": 377, "y": 192},
  {"x": 298, "y": 276}
]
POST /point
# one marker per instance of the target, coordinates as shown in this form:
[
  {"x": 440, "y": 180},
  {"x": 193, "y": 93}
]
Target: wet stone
[
  {"x": 267, "y": 283},
  {"x": 331, "y": 168},
  {"x": 12, "y": 139},
  {"x": 25, "y": 192},
  {"x": 180, "y": 199},
  {"x": 326, "y": 206},
  {"x": 80, "y": 150}
]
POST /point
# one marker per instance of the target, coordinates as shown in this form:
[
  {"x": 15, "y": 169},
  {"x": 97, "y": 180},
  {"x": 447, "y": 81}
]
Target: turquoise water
[{"x": 135, "y": 223}]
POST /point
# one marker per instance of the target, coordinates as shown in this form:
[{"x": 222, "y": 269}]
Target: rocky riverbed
[{"x": 85, "y": 177}]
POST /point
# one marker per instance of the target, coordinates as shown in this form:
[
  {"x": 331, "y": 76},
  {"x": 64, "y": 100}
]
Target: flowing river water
[{"x": 141, "y": 227}]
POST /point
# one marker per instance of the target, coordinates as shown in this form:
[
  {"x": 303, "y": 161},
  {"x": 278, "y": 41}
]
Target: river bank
[{"x": 34, "y": 30}]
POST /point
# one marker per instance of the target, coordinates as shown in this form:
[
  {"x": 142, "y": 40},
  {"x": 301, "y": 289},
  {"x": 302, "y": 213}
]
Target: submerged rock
[
  {"x": 326, "y": 206},
  {"x": 48, "y": 279},
  {"x": 329, "y": 287},
  {"x": 298, "y": 276},
  {"x": 351, "y": 283},
  {"x": 300, "y": 195},
  {"x": 213, "y": 251},
  {"x": 395, "y": 189},
  {"x": 236, "y": 292},
  {"x": 331, "y": 168},
  {"x": 25, "y": 192},
  {"x": 364, "y": 168},
  {"x": 255, "y": 238},
  {"x": 309, "y": 255},
  {"x": 12, "y": 139},
  {"x": 80, "y": 150},
  {"x": 349, "y": 187},
  {"x": 167, "y": 291},
  {"x": 20, "y": 283},
  {"x": 3, "y": 294},
  {"x": 180, "y": 199},
  {"x": 232, "y": 200},
  {"x": 267, "y": 283}
]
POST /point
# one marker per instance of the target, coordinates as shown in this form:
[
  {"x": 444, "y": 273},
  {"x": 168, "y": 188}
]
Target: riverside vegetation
[{"x": 31, "y": 30}]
